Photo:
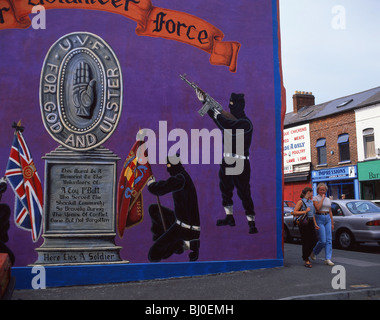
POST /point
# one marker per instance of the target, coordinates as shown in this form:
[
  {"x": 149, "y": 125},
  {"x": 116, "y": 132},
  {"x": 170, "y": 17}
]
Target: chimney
[{"x": 302, "y": 99}]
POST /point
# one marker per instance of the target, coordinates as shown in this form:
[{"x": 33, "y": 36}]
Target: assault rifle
[{"x": 210, "y": 103}]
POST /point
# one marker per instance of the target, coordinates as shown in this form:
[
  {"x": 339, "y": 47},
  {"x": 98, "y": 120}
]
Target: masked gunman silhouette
[{"x": 233, "y": 121}]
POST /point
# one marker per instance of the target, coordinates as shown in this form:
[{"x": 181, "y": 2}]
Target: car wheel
[{"x": 345, "y": 239}]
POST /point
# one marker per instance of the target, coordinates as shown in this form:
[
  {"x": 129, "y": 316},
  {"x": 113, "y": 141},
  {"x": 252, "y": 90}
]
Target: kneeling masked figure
[{"x": 175, "y": 231}]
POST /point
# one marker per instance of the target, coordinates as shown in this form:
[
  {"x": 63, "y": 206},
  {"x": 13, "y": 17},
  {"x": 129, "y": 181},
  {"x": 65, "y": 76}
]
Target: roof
[{"x": 339, "y": 105}]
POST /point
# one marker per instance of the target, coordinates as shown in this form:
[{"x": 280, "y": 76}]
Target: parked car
[
  {"x": 288, "y": 206},
  {"x": 355, "y": 221},
  {"x": 291, "y": 231},
  {"x": 377, "y": 202}
]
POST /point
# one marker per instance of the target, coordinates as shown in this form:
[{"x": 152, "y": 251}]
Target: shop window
[
  {"x": 370, "y": 190},
  {"x": 369, "y": 143},
  {"x": 321, "y": 151},
  {"x": 338, "y": 188},
  {"x": 344, "y": 147}
]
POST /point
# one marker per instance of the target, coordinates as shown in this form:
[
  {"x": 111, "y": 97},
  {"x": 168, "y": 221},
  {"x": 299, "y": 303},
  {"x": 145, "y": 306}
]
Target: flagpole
[
  {"x": 160, "y": 210},
  {"x": 158, "y": 198}
]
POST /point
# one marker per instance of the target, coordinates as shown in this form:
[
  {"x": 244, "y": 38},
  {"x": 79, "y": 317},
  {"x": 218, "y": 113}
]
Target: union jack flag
[{"x": 22, "y": 175}]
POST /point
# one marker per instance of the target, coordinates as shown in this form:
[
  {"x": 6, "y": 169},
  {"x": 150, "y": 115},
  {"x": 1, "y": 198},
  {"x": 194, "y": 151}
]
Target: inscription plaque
[
  {"x": 79, "y": 224},
  {"x": 83, "y": 197}
]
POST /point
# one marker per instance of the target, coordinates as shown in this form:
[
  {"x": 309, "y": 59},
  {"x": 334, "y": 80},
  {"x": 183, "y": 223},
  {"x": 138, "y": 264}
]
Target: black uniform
[
  {"x": 5, "y": 213},
  {"x": 241, "y": 181},
  {"x": 181, "y": 224}
]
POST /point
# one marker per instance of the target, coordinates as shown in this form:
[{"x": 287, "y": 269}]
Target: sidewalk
[{"x": 293, "y": 281}]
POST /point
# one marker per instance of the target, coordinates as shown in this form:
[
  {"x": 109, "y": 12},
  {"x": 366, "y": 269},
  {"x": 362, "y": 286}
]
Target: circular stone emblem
[{"x": 81, "y": 91}]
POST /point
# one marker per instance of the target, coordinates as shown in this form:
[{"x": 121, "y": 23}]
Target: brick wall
[
  {"x": 330, "y": 128},
  {"x": 302, "y": 99}
]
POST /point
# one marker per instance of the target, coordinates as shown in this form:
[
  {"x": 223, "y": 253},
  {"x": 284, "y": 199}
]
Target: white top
[{"x": 326, "y": 203}]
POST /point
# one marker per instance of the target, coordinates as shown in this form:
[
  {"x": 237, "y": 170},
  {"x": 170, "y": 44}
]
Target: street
[
  {"x": 361, "y": 280},
  {"x": 361, "y": 266}
]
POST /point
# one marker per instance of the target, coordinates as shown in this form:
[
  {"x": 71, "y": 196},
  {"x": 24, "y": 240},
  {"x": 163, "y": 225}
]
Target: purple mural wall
[{"x": 154, "y": 92}]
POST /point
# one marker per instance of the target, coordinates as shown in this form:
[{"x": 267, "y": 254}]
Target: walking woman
[
  {"x": 324, "y": 224},
  {"x": 307, "y": 227}
]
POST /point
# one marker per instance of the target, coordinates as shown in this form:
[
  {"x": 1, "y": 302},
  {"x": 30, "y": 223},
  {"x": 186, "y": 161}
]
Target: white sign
[{"x": 296, "y": 147}]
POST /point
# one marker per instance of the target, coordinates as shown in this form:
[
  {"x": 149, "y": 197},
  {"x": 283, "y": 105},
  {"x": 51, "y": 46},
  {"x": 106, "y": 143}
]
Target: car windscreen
[
  {"x": 289, "y": 204},
  {"x": 361, "y": 207}
]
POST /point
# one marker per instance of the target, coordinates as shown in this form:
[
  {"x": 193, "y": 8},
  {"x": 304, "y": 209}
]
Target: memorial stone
[{"x": 81, "y": 102}]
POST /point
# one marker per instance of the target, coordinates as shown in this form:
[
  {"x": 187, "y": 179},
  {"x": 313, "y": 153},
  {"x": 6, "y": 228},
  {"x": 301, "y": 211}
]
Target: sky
[{"x": 329, "y": 47}]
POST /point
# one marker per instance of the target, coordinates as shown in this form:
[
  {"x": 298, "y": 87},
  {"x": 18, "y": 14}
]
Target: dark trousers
[
  {"x": 170, "y": 241},
  {"x": 227, "y": 183},
  {"x": 308, "y": 238}
]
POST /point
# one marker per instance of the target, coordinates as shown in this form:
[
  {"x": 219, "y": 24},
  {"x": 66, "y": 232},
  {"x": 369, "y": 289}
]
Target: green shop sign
[{"x": 369, "y": 170}]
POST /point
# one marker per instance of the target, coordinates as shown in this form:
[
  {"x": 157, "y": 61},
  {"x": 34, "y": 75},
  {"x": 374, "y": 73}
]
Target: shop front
[
  {"x": 340, "y": 181},
  {"x": 369, "y": 179},
  {"x": 295, "y": 182}
]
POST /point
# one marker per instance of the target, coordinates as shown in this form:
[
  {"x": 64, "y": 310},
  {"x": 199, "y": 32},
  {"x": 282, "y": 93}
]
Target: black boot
[
  {"x": 227, "y": 221},
  {"x": 252, "y": 227},
  {"x": 194, "y": 246}
]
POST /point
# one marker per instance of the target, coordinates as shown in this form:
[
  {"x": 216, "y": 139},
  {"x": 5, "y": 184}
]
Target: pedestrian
[
  {"x": 305, "y": 207},
  {"x": 324, "y": 224}
]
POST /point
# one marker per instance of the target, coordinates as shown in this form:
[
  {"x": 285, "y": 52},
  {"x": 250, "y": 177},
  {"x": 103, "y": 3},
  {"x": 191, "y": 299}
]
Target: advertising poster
[{"x": 296, "y": 147}]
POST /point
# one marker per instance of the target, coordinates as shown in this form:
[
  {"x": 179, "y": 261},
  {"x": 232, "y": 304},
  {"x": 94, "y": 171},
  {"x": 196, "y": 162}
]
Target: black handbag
[{"x": 301, "y": 220}]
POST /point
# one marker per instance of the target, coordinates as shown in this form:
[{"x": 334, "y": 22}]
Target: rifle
[{"x": 210, "y": 102}]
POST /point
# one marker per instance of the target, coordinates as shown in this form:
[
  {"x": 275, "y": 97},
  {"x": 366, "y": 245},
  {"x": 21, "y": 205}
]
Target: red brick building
[
  {"x": 297, "y": 178},
  {"x": 331, "y": 128},
  {"x": 333, "y": 144}
]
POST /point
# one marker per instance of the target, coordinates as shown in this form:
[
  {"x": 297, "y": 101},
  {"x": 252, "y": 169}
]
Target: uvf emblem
[{"x": 81, "y": 91}]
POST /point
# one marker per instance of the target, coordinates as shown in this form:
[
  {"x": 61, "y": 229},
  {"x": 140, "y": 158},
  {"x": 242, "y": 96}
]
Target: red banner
[{"x": 151, "y": 21}]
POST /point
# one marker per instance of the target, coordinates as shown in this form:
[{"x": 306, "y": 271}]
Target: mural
[{"x": 145, "y": 149}]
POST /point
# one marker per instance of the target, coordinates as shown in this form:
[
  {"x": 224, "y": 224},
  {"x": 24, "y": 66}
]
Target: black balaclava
[
  {"x": 237, "y": 108},
  {"x": 175, "y": 165}
]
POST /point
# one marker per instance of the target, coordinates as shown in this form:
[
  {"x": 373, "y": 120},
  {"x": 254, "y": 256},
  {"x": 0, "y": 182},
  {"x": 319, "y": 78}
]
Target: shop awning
[{"x": 298, "y": 176}]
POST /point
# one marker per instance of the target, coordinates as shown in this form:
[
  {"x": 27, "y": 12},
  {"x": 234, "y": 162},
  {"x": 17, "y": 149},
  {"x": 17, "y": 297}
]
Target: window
[
  {"x": 289, "y": 204},
  {"x": 369, "y": 143},
  {"x": 344, "y": 147},
  {"x": 321, "y": 151},
  {"x": 344, "y": 103},
  {"x": 361, "y": 207},
  {"x": 336, "y": 210}
]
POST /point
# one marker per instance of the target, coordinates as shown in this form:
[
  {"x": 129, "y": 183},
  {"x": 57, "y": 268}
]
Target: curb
[{"x": 362, "y": 294}]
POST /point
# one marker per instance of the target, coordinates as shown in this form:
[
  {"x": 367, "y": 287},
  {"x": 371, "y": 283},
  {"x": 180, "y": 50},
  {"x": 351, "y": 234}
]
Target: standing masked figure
[
  {"x": 233, "y": 121},
  {"x": 178, "y": 230}
]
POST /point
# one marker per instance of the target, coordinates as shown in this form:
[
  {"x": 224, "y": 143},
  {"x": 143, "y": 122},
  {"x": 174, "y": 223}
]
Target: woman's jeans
[{"x": 324, "y": 235}]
